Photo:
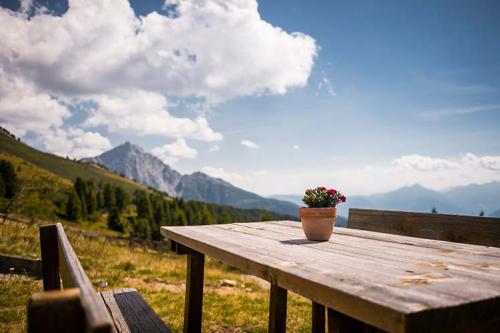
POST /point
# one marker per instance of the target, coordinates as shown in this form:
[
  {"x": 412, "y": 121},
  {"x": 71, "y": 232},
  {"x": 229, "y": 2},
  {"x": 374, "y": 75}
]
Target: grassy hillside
[
  {"x": 158, "y": 276},
  {"x": 62, "y": 167}
]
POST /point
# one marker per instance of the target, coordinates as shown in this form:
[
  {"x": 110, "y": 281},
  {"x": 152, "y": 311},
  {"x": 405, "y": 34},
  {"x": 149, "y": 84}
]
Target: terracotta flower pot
[{"x": 318, "y": 223}]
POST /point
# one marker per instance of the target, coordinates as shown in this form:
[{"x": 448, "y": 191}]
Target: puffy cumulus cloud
[
  {"x": 100, "y": 51},
  {"x": 124, "y": 112},
  {"x": 424, "y": 163},
  {"x": 25, "y": 108},
  {"x": 434, "y": 173},
  {"x": 249, "y": 144},
  {"x": 75, "y": 142},
  {"x": 171, "y": 153},
  {"x": 467, "y": 163},
  {"x": 229, "y": 176}
]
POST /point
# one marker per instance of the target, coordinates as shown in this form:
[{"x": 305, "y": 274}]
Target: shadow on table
[{"x": 299, "y": 241}]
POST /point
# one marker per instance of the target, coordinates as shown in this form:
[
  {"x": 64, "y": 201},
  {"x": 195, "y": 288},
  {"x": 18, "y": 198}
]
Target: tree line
[
  {"x": 142, "y": 213},
  {"x": 139, "y": 214}
]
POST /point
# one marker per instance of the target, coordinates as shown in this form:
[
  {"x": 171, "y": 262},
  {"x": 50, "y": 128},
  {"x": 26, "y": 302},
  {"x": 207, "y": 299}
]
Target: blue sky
[{"x": 398, "y": 93}]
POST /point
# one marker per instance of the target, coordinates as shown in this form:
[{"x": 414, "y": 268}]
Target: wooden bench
[
  {"x": 74, "y": 305},
  {"x": 452, "y": 228}
]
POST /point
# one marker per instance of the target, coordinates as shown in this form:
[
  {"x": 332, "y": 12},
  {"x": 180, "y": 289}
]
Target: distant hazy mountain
[
  {"x": 467, "y": 200},
  {"x": 474, "y": 197},
  {"x": 496, "y": 213},
  {"x": 133, "y": 162}
]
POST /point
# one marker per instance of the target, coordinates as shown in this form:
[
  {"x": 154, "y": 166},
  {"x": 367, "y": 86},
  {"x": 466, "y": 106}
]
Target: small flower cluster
[{"x": 321, "y": 197}]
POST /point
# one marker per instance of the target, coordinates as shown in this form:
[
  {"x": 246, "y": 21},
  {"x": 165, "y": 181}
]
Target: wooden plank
[
  {"x": 318, "y": 318},
  {"x": 277, "y": 309},
  {"x": 17, "y": 265},
  {"x": 375, "y": 288},
  {"x": 454, "y": 228},
  {"x": 56, "y": 311},
  {"x": 194, "y": 292},
  {"x": 309, "y": 284},
  {"x": 377, "y": 268},
  {"x": 50, "y": 257},
  {"x": 74, "y": 276},
  {"x": 388, "y": 254},
  {"x": 131, "y": 313}
]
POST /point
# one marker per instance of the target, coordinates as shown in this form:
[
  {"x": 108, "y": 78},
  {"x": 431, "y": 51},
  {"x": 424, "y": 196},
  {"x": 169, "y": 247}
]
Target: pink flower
[
  {"x": 343, "y": 198},
  {"x": 322, "y": 188},
  {"x": 332, "y": 191}
]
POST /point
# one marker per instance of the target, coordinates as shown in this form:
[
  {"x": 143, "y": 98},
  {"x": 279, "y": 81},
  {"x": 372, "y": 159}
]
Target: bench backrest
[
  {"x": 76, "y": 308},
  {"x": 453, "y": 228}
]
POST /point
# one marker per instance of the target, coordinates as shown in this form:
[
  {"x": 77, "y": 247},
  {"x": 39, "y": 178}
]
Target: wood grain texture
[
  {"x": 131, "y": 313},
  {"x": 453, "y": 228},
  {"x": 74, "y": 276},
  {"x": 55, "y": 311},
  {"x": 384, "y": 280}
]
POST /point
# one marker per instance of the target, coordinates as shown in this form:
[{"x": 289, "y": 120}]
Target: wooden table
[{"x": 368, "y": 281}]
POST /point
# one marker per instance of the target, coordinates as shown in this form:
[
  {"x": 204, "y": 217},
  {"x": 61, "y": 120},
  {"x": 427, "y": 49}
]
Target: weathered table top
[{"x": 396, "y": 283}]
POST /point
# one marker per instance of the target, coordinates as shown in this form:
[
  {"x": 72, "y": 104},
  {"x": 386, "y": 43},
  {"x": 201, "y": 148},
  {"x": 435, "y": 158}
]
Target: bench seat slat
[{"x": 131, "y": 313}]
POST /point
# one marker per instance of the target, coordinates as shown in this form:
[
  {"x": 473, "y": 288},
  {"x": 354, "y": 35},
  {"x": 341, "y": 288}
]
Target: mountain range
[
  {"x": 132, "y": 161},
  {"x": 466, "y": 200}
]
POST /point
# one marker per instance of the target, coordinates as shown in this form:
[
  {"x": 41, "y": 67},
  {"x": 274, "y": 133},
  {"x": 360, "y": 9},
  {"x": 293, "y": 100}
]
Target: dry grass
[{"x": 159, "y": 277}]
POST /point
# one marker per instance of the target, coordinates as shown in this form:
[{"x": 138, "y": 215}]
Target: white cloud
[
  {"x": 25, "y": 108},
  {"x": 214, "y": 148},
  {"x": 437, "y": 115},
  {"x": 435, "y": 173},
  {"x": 296, "y": 147},
  {"x": 325, "y": 84},
  {"x": 249, "y": 144},
  {"x": 99, "y": 51},
  {"x": 171, "y": 153},
  {"x": 75, "y": 142},
  {"x": 122, "y": 113},
  {"x": 424, "y": 163},
  {"x": 222, "y": 173}
]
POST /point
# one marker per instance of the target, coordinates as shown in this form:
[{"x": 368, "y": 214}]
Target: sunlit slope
[{"x": 62, "y": 167}]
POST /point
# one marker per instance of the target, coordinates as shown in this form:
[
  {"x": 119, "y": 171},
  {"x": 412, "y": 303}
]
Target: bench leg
[
  {"x": 50, "y": 257},
  {"x": 318, "y": 318},
  {"x": 277, "y": 309},
  {"x": 194, "y": 292}
]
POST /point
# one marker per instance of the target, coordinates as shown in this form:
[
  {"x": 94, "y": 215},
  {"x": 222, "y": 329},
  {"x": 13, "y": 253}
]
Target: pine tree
[
  {"x": 180, "y": 218},
  {"x": 114, "y": 221},
  {"x": 266, "y": 216},
  {"x": 9, "y": 177},
  {"x": 73, "y": 207},
  {"x": 122, "y": 198},
  {"x": 141, "y": 228},
  {"x": 481, "y": 213},
  {"x": 2, "y": 188},
  {"x": 109, "y": 197},
  {"x": 434, "y": 210},
  {"x": 143, "y": 204},
  {"x": 92, "y": 201},
  {"x": 224, "y": 217}
]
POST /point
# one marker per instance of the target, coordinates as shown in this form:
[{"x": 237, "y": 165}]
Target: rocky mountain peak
[{"x": 133, "y": 162}]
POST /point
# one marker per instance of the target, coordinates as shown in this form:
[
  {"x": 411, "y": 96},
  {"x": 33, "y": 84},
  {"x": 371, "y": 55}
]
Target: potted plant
[{"x": 318, "y": 218}]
